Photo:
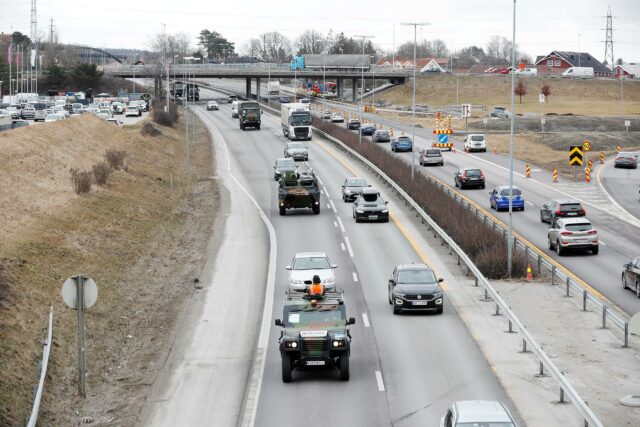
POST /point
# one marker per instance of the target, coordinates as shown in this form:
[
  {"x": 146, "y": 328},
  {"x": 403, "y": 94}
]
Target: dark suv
[
  {"x": 415, "y": 287},
  {"x": 469, "y": 177},
  {"x": 370, "y": 206},
  {"x": 560, "y": 208},
  {"x": 352, "y": 188}
]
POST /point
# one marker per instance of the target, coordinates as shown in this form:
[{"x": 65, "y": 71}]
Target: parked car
[
  {"x": 499, "y": 198},
  {"x": 475, "y": 142},
  {"x": 469, "y": 177},
  {"x": 367, "y": 129},
  {"x": 353, "y": 124},
  {"x": 117, "y": 107},
  {"x": 352, "y": 188},
  {"x": 40, "y": 115},
  {"x": 54, "y": 117},
  {"x": 481, "y": 413},
  {"x": 15, "y": 111},
  {"x": 572, "y": 233},
  {"x": 415, "y": 287},
  {"x": 370, "y": 206},
  {"x": 402, "y": 143},
  {"x": 296, "y": 150},
  {"x": 561, "y": 208},
  {"x": 132, "y": 111},
  {"x": 381, "y": 135},
  {"x": 337, "y": 118},
  {"x": 326, "y": 114},
  {"x": 430, "y": 156},
  {"x": 283, "y": 165},
  {"x": 28, "y": 113},
  {"x": 212, "y": 105},
  {"x": 500, "y": 112},
  {"x": 631, "y": 276},
  {"x": 626, "y": 159},
  {"x": 305, "y": 265}
]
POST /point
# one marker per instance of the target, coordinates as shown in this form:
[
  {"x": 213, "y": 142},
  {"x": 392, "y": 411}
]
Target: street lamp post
[
  {"x": 413, "y": 102},
  {"x": 185, "y": 94},
  {"x": 361, "y": 85},
  {"x": 373, "y": 87},
  {"x": 0, "y": 90},
  {"x": 513, "y": 115}
]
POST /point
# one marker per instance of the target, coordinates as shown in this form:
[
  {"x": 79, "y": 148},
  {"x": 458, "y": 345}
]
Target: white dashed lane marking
[
  {"x": 365, "y": 320},
  {"x": 348, "y": 243},
  {"x": 341, "y": 225},
  {"x": 344, "y": 248},
  {"x": 355, "y": 277},
  {"x": 333, "y": 206},
  {"x": 379, "y": 381}
]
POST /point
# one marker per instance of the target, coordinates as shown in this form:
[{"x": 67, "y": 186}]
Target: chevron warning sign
[{"x": 575, "y": 155}]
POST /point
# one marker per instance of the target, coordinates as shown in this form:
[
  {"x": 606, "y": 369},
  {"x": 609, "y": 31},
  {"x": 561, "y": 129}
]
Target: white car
[
  {"x": 54, "y": 117},
  {"x": 475, "y": 142},
  {"x": 212, "y": 105},
  {"x": 478, "y": 413},
  {"x": 337, "y": 118},
  {"x": 132, "y": 111},
  {"x": 307, "y": 264}
]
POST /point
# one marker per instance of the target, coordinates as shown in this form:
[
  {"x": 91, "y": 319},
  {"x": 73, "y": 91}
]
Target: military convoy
[
  {"x": 315, "y": 332},
  {"x": 298, "y": 191}
]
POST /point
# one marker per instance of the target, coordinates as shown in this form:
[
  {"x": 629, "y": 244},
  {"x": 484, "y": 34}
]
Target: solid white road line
[
  {"x": 257, "y": 370},
  {"x": 328, "y": 206},
  {"x": 335, "y": 224},
  {"x": 333, "y": 206},
  {"x": 355, "y": 276},
  {"x": 602, "y": 243},
  {"x": 365, "y": 320},
  {"x": 529, "y": 203},
  {"x": 344, "y": 248},
  {"x": 346, "y": 240},
  {"x": 319, "y": 180},
  {"x": 379, "y": 381},
  {"x": 341, "y": 225}
]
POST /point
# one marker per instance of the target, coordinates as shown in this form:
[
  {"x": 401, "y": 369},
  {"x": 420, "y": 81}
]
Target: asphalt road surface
[
  {"x": 405, "y": 370},
  {"x": 623, "y": 185}
]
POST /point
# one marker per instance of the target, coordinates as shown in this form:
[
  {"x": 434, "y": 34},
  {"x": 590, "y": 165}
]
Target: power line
[{"x": 608, "y": 44}]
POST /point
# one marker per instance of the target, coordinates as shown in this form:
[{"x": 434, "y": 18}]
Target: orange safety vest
[{"x": 316, "y": 289}]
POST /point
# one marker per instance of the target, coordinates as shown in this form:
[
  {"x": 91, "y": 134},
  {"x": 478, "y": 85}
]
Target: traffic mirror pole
[{"x": 80, "y": 308}]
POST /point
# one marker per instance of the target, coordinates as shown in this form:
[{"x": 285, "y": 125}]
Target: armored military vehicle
[
  {"x": 315, "y": 333},
  {"x": 298, "y": 191}
]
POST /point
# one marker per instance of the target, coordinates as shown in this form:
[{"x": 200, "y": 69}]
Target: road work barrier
[
  {"x": 555, "y": 175},
  {"x": 529, "y": 344},
  {"x": 602, "y": 157},
  {"x": 528, "y": 171}
]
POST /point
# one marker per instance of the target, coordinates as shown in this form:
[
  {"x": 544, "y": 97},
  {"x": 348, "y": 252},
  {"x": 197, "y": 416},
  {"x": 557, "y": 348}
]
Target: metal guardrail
[
  {"x": 33, "y": 418},
  {"x": 528, "y": 342}
]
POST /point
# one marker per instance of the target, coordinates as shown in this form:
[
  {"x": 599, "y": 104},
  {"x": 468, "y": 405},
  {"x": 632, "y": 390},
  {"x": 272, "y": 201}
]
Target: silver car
[
  {"x": 573, "y": 233},
  {"x": 478, "y": 413},
  {"x": 297, "y": 151},
  {"x": 430, "y": 156},
  {"x": 307, "y": 264}
]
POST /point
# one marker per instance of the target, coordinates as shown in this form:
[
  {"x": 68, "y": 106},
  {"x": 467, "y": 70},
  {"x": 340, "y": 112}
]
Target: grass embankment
[
  {"x": 140, "y": 238},
  {"x": 590, "y": 97}
]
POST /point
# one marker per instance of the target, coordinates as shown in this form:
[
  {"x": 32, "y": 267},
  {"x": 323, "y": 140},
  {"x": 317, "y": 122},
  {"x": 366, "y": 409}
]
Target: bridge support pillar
[
  {"x": 248, "y": 88},
  {"x": 258, "y": 88},
  {"x": 339, "y": 88},
  {"x": 354, "y": 89}
]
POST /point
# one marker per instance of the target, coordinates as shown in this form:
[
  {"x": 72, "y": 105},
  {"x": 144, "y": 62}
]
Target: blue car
[
  {"x": 500, "y": 198},
  {"x": 368, "y": 129},
  {"x": 402, "y": 143}
]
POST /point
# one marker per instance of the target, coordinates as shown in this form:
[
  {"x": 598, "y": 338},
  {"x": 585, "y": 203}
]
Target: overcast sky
[{"x": 542, "y": 25}]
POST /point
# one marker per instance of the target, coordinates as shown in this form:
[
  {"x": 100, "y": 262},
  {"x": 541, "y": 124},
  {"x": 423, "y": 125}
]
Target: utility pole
[
  {"x": 513, "y": 115},
  {"x": 608, "y": 44},
  {"x": 362, "y": 85}
]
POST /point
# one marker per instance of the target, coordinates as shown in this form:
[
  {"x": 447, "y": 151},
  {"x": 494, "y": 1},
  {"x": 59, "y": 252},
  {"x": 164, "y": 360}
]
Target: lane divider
[
  {"x": 348, "y": 243},
  {"x": 355, "y": 277},
  {"x": 365, "y": 320},
  {"x": 380, "y": 381}
]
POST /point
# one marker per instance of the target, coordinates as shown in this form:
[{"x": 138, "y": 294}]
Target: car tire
[
  {"x": 595, "y": 250},
  {"x": 549, "y": 244},
  {"x": 287, "y": 374},
  {"x": 482, "y": 186},
  {"x": 442, "y": 164},
  {"x": 624, "y": 281},
  {"x": 638, "y": 289},
  {"x": 542, "y": 218},
  {"x": 283, "y": 211},
  {"x": 396, "y": 310},
  {"x": 559, "y": 249},
  {"x": 315, "y": 209},
  {"x": 389, "y": 297},
  {"x": 344, "y": 367},
  {"x": 440, "y": 310},
  {"x": 386, "y": 220},
  {"x": 258, "y": 127}
]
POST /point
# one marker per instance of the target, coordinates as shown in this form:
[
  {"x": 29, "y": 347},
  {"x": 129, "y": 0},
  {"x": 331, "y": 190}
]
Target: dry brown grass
[
  {"x": 586, "y": 97},
  {"x": 121, "y": 236}
]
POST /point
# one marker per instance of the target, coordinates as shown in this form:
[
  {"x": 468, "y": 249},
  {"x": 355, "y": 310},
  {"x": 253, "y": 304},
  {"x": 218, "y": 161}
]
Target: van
[
  {"x": 234, "y": 109},
  {"x": 527, "y": 72},
  {"x": 579, "y": 72}
]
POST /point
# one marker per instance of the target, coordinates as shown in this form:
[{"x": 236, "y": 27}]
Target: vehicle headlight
[
  {"x": 337, "y": 343},
  {"x": 291, "y": 344},
  {"x": 399, "y": 301},
  {"x": 347, "y": 192},
  {"x": 359, "y": 211},
  {"x": 439, "y": 301},
  {"x": 438, "y": 294},
  {"x": 385, "y": 211}
]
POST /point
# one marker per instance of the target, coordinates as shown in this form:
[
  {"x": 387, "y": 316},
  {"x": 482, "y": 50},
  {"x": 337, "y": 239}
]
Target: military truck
[
  {"x": 315, "y": 332},
  {"x": 298, "y": 192},
  {"x": 249, "y": 114}
]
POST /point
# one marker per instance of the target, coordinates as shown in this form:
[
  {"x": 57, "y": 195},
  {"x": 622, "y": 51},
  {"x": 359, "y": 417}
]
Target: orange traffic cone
[
  {"x": 495, "y": 150},
  {"x": 529, "y": 273}
]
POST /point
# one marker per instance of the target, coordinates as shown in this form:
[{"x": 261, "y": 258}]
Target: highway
[
  {"x": 405, "y": 370},
  {"x": 623, "y": 185}
]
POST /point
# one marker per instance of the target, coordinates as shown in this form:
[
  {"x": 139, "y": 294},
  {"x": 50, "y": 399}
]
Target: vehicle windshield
[
  {"x": 515, "y": 192},
  {"x": 434, "y": 153},
  {"x": 311, "y": 263},
  {"x": 285, "y": 163},
  {"x": 473, "y": 172},
  {"x": 626, "y": 154},
  {"x": 320, "y": 316},
  {"x": 356, "y": 182},
  {"x": 416, "y": 276},
  {"x": 383, "y": 133},
  {"x": 300, "y": 119},
  {"x": 477, "y": 137},
  {"x": 295, "y": 145},
  {"x": 404, "y": 139},
  {"x": 486, "y": 424},
  {"x": 570, "y": 207},
  {"x": 578, "y": 227}
]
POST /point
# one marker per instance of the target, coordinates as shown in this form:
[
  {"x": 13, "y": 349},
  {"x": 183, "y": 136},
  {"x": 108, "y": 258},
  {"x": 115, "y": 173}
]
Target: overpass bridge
[{"x": 258, "y": 72}]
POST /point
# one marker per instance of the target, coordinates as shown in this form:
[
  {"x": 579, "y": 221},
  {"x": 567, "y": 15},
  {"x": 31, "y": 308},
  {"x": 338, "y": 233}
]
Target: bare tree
[
  {"x": 310, "y": 42},
  {"x": 439, "y": 48},
  {"x": 275, "y": 47},
  {"x": 493, "y": 47},
  {"x": 546, "y": 91},
  {"x": 520, "y": 90},
  {"x": 252, "y": 49}
]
